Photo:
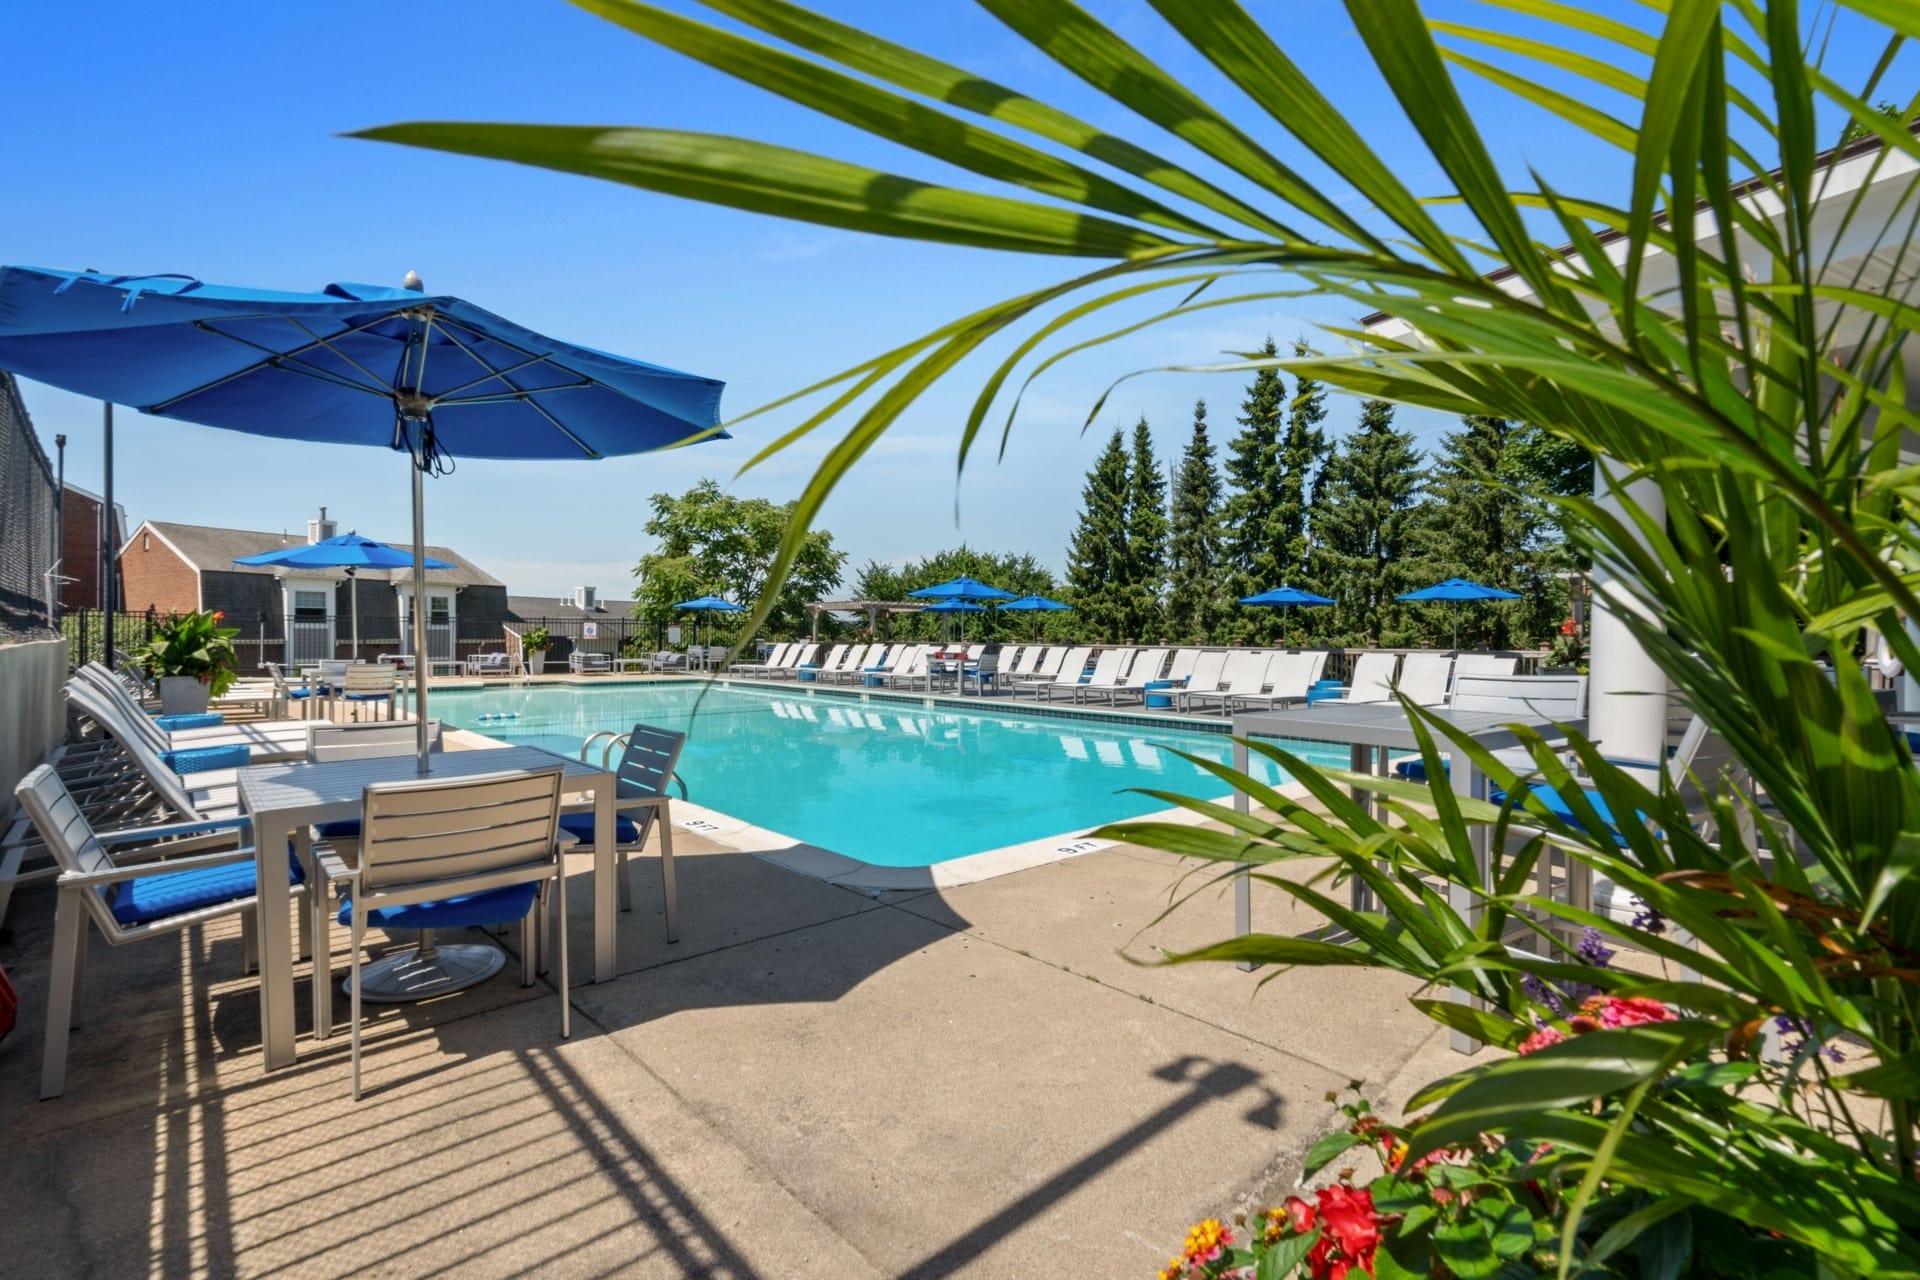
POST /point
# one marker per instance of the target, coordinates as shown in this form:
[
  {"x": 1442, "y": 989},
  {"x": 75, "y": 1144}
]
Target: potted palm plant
[
  {"x": 193, "y": 660},
  {"x": 537, "y": 641}
]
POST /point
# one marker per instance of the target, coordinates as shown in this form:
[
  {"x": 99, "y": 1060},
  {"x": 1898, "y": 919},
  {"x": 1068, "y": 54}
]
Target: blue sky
[{"x": 203, "y": 139}]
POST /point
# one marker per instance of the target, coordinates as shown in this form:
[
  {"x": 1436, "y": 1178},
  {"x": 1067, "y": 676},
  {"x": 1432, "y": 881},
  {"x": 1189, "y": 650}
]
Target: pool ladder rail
[{"x": 618, "y": 742}]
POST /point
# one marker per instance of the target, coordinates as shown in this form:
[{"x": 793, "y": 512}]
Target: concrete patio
[{"x": 813, "y": 1082}]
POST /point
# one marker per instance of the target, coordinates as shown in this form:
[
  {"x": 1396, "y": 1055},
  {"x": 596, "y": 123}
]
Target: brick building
[
  {"x": 81, "y": 535},
  {"x": 303, "y": 615}
]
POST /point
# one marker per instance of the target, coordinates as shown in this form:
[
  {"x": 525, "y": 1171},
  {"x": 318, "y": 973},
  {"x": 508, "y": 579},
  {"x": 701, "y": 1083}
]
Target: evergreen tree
[
  {"x": 1193, "y": 558},
  {"x": 1145, "y": 576},
  {"x": 1303, "y": 469},
  {"x": 1365, "y": 529},
  {"x": 1097, "y": 556},
  {"x": 1489, "y": 522},
  {"x": 1254, "y": 545}
]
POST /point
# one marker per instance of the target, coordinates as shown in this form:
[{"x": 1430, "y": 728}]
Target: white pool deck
[{"x": 932, "y": 1079}]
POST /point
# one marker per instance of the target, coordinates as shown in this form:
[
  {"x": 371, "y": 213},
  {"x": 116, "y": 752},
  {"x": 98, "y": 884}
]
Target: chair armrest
[
  {"x": 331, "y": 865},
  {"x": 134, "y": 871},
  {"x": 168, "y": 830}
]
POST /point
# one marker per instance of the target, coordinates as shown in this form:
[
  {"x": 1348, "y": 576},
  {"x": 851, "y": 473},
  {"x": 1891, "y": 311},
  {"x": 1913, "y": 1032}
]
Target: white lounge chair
[
  {"x": 1245, "y": 672},
  {"x": 1146, "y": 667},
  {"x": 1372, "y": 679},
  {"x": 911, "y": 669},
  {"x": 1048, "y": 669},
  {"x": 1289, "y": 676},
  {"x": 756, "y": 668},
  {"x": 1207, "y": 676},
  {"x": 1484, "y": 664},
  {"x": 1073, "y": 671},
  {"x": 1181, "y": 669},
  {"x": 853, "y": 664},
  {"x": 1025, "y": 660},
  {"x": 1424, "y": 676},
  {"x": 821, "y": 666},
  {"x": 1109, "y": 669},
  {"x": 274, "y": 740}
]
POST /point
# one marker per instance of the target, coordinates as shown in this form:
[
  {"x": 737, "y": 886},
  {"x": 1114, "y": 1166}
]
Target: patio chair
[
  {"x": 1372, "y": 679},
  {"x": 1208, "y": 676},
  {"x": 446, "y": 855},
  {"x": 1245, "y": 673},
  {"x": 1025, "y": 659},
  {"x": 912, "y": 667},
  {"x": 1108, "y": 667},
  {"x": 647, "y": 763},
  {"x": 835, "y": 656},
  {"x": 1185, "y": 663},
  {"x": 1423, "y": 678},
  {"x": 268, "y": 740},
  {"x": 853, "y": 663},
  {"x": 492, "y": 663},
  {"x": 1145, "y": 667},
  {"x": 981, "y": 672},
  {"x": 1289, "y": 676},
  {"x": 373, "y": 739},
  {"x": 1047, "y": 671},
  {"x": 367, "y": 683},
  {"x": 1552, "y": 697},
  {"x": 755, "y": 668},
  {"x": 187, "y": 751},
  {"x": 141, "y": 893},
  {"x": 1484, "y": 664},
  {"x": 583, "y": 663}
]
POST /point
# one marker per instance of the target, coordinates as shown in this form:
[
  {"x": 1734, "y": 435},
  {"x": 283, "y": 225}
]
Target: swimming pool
[{"x": 889, "y": 782}]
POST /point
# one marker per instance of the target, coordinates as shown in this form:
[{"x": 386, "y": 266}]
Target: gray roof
[
  {"x": 564, "y": 607},
  {"x": 207, "y": 548}
]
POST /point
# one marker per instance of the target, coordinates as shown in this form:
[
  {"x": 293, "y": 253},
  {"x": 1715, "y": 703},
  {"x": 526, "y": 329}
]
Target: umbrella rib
[
  {"x": 491, "y": 374},
  {"x": 585, "y": 448},
  {"x": 586, "y": 379},
  {"x": 287, "y": 359}
]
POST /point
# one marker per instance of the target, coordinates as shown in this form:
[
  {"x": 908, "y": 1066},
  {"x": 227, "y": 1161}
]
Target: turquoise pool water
[{"x": 891, "y": 783}]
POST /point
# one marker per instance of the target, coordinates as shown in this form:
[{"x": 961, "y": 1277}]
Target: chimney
[
  {"x": 322, "y": 529},
  {"x": 583, "y": 597}
]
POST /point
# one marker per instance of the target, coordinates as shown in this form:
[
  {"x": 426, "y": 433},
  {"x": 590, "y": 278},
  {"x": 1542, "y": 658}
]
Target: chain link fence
[{"x": 28, "y": 537}]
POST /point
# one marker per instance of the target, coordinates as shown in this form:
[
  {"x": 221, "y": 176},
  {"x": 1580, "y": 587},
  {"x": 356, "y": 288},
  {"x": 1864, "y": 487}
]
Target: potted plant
[
  {"x": 537, "y": 641},
  {"x": 193, "y": 660}
]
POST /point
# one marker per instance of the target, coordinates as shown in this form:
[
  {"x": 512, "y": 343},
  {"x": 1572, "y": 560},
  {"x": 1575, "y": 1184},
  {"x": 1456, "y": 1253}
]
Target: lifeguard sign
[{"x": 589, "y": 631}]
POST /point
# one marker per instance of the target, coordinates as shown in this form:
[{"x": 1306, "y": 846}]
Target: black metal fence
[{"x": 28, "y": 538}]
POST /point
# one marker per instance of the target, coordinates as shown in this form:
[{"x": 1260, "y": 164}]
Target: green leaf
[
  {"x": 1489, "y": 1028},
  {"x": 1509, "y": 1228},
  {"x": 761, "y": 178},
  {"x": 1328, "y": 1149},
  {"x": 1286, "y": 1254},
  {"x": 1466, "y": 1247}
]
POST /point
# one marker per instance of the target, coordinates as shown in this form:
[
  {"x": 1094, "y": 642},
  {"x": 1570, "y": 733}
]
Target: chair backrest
[
  {"x": 1292, "y": 674},
  {"x": 1110, "y": 667},
  {"x": 1246, "y": 671},
  {"x": 834, "y": 657},
  {"x": 1184, "y": 661},
  {"x": 57, "y": 816},
  {"x": 369, "y": 677},
  {"x": 1423, "y": 678},
  {"x": 278, "y": 676},
  {"x": 1207, "y": 669},
  {"x": 428, "y": 831},
  {"x": 1484, "y": 664},
  {"x": 1072, "y": 665},
  {"x": 162, "y": 781},
  {"x": 329, "y": 741},
  {"x": 1147, "y": 667},
  {"x": 779, "y": 654},
  {"x": 974, "y": 651},
  {"x": 1549, "y": 697},
  {"x": 803, "y": 654},
  {"x": 648, "y": 762},
  {"x": 1372, "y": 677},
  {"x": 915, "y": 661},
  {"x": 1050, "y": 662}
]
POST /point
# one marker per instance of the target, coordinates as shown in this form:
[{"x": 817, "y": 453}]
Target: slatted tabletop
[{"x": 278, "y": 788}]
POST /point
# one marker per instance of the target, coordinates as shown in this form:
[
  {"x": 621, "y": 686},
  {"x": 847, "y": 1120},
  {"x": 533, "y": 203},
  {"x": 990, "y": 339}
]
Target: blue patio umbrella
[
  {"x": 347, "y": 551},
  {"x": 1035, "y": 604},
  {"x": 1285, "y": 597},
  {"x": 428, "y": 375},
  {"x": 960, "y": 588},
  {"x": 1453, "y": 591},
  {"x": 711, "y": 604},
  {"x": 957, "y": 604}
]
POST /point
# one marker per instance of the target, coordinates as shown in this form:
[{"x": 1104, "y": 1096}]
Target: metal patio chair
[{"x": 647, "y": 763}]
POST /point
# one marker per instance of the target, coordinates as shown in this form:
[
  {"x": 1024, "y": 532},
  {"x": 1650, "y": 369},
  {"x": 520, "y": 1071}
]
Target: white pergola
[{"x": 1860, "y": 222}]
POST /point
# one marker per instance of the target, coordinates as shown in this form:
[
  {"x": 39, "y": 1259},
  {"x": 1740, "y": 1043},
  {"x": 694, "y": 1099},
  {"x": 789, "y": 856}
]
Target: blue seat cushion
[
  {"x": 187, "y": 760},
  {"x": 494, "y": 906},
  {"x": 344, "y": 829},
  {"x": 625, "y": 830},
  {"x": 153, "y": 898},
  {"x": 1416, "y": 770},
  {"x": 193, "y": 720},
  {"x": 1561, "y": 810},
  {"x": 367, "y": 697}
]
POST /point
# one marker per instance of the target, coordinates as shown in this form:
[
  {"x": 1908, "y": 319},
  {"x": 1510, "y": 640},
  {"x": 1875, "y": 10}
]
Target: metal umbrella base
[{"x": 426, "y": 971}]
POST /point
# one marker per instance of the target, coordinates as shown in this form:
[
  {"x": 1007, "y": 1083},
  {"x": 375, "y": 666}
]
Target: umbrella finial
[{"x": 414, "y": 282}]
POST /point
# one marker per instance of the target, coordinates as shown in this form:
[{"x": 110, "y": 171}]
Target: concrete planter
[
  {"x": 536, "y": 661},
  {"x": 183, "y": 695}
]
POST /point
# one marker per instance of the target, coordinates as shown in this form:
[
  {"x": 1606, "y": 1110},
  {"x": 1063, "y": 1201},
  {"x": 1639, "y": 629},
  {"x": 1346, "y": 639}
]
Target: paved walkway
[{"x": 975, "y": 1082}]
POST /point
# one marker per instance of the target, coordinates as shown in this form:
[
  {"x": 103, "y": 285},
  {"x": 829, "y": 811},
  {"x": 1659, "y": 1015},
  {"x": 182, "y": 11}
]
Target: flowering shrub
[
  {"x": 196, "y": 645},
  {"x": 1471, "y": 1211}
]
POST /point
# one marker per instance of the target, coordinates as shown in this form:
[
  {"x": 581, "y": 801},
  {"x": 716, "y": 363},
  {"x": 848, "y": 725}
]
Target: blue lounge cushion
[
  {"x": 494, "y": 906},
  {"x": 1561, "y": 810},
  {"x": 367, "y": 697},
  {"x": 625, "y": 830},
  {"x": 153, "y": 898},
  {"x": 1415, "y": 770},
  {"x": 200, "y": 759},
  {"x": 196, "y": 720}
]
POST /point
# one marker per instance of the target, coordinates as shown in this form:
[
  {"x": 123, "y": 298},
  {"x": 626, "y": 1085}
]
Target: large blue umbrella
[
  {"x": 956, "y": 604},
  {"x": 431, "y": 376},
  {"x": 1035, "y": 604},
  {"x": 1453, "y": 591},
  {"x": 960, "y": 588},
  {"x": 1285, "y": 597},
  {"x": 711, "y": 604},
  {"x": 347, "y": 551}
]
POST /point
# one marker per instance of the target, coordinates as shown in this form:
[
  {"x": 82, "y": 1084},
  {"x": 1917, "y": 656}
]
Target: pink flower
[{"x": 1541, "y": 1039}]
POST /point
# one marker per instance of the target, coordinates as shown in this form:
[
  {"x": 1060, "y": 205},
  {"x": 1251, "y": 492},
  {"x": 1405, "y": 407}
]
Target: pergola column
[{"x": 1626, "y": 689}]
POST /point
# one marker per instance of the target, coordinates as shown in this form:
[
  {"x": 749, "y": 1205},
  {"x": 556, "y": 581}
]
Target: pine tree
[
  {"x": 1097, "y": 555},
  {"x": 1303, "y": 469},
  {"x": 1364, "y": 532},
  {"x": 1487, "y": 524},
  {"x": 1145, "y": 577},
  {"x": 1193, "y": 557},
  {"x": 1253, "y": 546}
]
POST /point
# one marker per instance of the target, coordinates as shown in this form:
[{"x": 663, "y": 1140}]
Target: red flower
[
  {"x": 1300, "y": 1215},
  {"x": 1566, "y": 628},
  {"x": 1626, "y": 1011},
  {"x": 1541, "y": 1039},
  {"x": 219, "y": 615}
]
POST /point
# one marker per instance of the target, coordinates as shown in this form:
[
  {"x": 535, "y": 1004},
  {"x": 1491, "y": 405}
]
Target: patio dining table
[
  {"x": 1374, "y": 732},
  {"x": 286, "y": 800}
]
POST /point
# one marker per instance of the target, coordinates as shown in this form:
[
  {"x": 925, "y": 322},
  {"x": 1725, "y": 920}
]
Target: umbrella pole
[
  {"x": 353, "y": 605},
  {"x": 419, "y": 612}
]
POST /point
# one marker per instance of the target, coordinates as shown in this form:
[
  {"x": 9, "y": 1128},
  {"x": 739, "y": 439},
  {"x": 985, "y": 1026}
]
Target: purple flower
[
  {"x": 1592, "y": 949},
  {"x": 1794, "y": 1034},
  {"x": 1647, "y": 919}
]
